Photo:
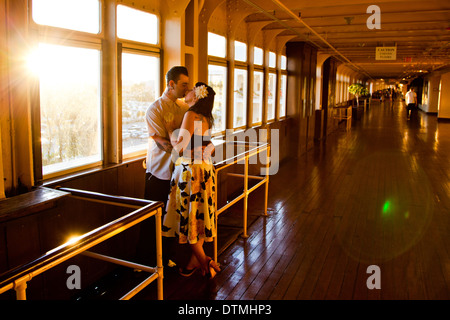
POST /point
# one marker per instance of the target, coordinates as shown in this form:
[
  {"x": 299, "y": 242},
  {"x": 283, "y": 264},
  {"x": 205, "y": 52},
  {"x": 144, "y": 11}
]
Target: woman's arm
[{"x": 181, "y": 141}]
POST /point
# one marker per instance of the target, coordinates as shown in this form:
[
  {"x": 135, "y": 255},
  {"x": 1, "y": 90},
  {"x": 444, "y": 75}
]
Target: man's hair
[{"x": 175, "y": 72}]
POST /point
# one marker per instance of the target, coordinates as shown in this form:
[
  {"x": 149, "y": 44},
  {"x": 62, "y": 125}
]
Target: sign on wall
[{"x": 386, "y": 53}]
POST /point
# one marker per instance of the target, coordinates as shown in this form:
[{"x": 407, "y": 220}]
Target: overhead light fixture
[{"x": 349, "y": 20}]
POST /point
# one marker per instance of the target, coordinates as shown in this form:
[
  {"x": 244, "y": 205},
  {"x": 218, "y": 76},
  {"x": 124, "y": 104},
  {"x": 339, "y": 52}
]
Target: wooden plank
[{"x": 28, "y": 203}]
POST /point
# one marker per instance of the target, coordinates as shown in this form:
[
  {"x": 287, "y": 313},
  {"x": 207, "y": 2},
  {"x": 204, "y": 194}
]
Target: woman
[{"x": 191, "y": 205}]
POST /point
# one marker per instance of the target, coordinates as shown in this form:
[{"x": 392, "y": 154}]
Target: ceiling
[{"x": 420, "y": 31}]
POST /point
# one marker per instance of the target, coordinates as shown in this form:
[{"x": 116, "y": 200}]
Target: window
[
  {"x": 283, "y": 62},
  {"x": 258, "y": 79},
  {"x": 272, "y": 60},
  {"x": 258, "y": 56},
  {"x": 140, "y": 88},
  {"x": 137, "y": 25},
  {"x": 271, "y": 95},
  {"x": 240, "y": 51},
  {"x": 217, "y": 79},
  {"x": 140, "y": 75},
  {"x": 240, "y": 97},
  {"x": 79, "y": 15},
  {"x": 283, "y": 85},
  {"x": 70, "y": 108},
  {"x": 217, "y": 45}
]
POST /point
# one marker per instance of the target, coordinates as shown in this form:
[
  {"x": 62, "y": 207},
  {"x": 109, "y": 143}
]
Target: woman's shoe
[
  {"x": 212, "y": 271},
  {"x": 186, "y": 272}
]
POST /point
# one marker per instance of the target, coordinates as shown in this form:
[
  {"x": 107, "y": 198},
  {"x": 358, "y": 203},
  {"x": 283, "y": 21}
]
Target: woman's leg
[
  {"x": 199, "y": 256},
  {"x": 204, "y": 262}
]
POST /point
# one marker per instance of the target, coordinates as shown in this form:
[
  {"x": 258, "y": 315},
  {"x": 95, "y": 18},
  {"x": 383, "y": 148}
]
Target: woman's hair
[{"x": 205, "y": 105}]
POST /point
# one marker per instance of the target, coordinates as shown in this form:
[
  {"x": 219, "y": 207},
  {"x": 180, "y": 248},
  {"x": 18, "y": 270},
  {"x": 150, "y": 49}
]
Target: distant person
[
  {"x": 166, "y": 111},
  {"x": 411, "y": 101},
  {"x": 191, "y": 212}
]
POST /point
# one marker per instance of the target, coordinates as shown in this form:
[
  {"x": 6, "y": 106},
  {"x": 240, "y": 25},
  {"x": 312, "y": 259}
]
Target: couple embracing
[{"x": 180, "y": 171}]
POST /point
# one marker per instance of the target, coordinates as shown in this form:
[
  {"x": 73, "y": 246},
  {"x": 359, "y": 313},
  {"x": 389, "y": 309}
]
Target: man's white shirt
[
  {"x": 410, "y": 97},
  {"x": 158, "y": 115}
]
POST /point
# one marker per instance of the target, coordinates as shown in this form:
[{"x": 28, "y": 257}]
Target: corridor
[{"x": 378, "y": 195}]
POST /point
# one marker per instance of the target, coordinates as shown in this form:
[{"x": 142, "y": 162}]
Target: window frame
[
  {"x": 241, "y": 62},
  {"x": 71, "y": 38},
  {"x": 135, "y": 47},
  {"x": 129, "y": 49},
  {"x": 259, "y": 69},
  {"x": 213, "y": 60},
  {"x": 67, "y": 37},
  {"x": 136, "y": 43},
  {"x": 36, "y": 115},
  {"x": 284, "y": 106},
  {"x": 52, "y": 32},
  {"x": 225, "y": 52},
  {"x": 273, "y": 72},
  {"x": 244, "y": 67}
]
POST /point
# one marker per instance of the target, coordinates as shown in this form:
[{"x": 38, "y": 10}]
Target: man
[
  {"x": 166, "y": 111},
  {"x": 411, "y": 101}
]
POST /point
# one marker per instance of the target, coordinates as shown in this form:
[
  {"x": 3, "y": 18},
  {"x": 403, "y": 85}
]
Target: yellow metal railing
[
  {"x": 251, "y": 150},
  {"x": 343, "y": 113},
  {"x": 18, "y": 277}
]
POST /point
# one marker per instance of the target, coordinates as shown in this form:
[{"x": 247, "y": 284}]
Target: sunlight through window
[
  {"x": 217, "y": 45},
  {"x": 140, "y": 88},
  {"x": 79, "y": 15},
  {"x": 69, "y": 106},
  {"x": 137, "y": 25},
  {"x": 217, "y": 79},
  {"x": 240, "y": 97}
]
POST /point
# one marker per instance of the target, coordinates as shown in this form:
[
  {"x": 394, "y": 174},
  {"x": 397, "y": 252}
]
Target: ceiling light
[{"x": 349, "y": 19}]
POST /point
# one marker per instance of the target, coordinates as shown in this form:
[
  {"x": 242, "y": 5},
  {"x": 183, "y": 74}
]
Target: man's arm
[{"x": 162, "y": 143}]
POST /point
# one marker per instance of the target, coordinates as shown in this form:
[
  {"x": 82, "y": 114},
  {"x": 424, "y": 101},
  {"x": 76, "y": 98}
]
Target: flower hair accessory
[{"x": 201, "y": 92}]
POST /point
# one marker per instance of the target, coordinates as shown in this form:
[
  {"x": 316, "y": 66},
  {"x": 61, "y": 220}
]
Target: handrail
[
  {"x": 254, "y": 149},
  {"x": 20, "y": 275}
]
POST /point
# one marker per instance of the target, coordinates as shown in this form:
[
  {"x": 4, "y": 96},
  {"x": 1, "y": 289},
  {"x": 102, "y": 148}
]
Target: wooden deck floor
[{"x": 376, "y": 195}]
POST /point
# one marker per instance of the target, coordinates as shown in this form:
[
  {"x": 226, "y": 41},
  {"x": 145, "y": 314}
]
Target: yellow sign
[{"x": 386, "y": 53}]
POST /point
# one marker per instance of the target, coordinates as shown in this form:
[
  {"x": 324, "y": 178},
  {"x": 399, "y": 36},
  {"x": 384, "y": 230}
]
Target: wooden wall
[
  {"x": 31, "y": 236},
  {"x": 302, "y": 61}
]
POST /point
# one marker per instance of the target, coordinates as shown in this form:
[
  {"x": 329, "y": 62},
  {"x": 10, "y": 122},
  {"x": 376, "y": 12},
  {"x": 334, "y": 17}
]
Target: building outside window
[
  {"x": 217, "y": 79},
  {"x": 140, "y": 88},
  {"x": 283, "y": 86},
  {"x": 258, "y": 83},
  {"x": 240, "y": 51},
  {"x": 240, "y": 97},
  {"x": 271, "y": 96},
  {"x": 140, "y": 74},
  {"x": 69, "y": 78}
]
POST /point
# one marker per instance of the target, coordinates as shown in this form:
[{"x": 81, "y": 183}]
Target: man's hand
[{"x": 163, "y": 143}]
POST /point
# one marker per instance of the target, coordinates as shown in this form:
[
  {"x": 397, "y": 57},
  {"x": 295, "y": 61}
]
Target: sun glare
[
  {"x": 62, "y": 63},
  {"x": 33, "y": 62},
  {"x": 79, "y": 15}
]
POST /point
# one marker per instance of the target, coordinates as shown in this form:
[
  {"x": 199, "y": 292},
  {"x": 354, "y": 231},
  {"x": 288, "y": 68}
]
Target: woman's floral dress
[{"x": 191, "y": 205}]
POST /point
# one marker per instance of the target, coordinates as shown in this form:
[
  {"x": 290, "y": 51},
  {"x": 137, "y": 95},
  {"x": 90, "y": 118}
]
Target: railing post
[
  {"x": 20, "y": 286},
  {"x": 159, "y": 260},
  {"x": 216, "y": 217},
  {"x": 245, "y": 235},
  {"x": 266, "y": 193}
]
